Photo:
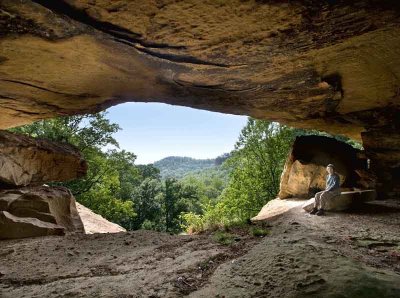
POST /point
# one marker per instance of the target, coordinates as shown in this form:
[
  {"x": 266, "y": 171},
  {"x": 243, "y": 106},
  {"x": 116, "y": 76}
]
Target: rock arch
[{"x": 328, "y": 65}]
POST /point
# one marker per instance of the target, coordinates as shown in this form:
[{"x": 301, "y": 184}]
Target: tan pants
[{"x": 322, "y": 197}]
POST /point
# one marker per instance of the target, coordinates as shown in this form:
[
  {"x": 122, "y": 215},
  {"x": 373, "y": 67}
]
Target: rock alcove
[
  {"x": 331, "y": 65},
  {"x": 327, "y": 65}
]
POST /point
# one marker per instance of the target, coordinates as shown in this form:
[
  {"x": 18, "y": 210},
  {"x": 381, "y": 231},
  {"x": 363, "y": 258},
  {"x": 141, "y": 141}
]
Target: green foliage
[
  {"x": 148, "y": 200},
  {"x": 178, "y": 198},
  {"x": 133, "y": 196},
  {"x": 209, "y": 182},
  {"x": 177, "y": 167},
  {"x": 210, "y": 193},
  {"x": 256, "y": 164},
  {"x": 223, "y": 238},
  {"x": 85, "y": 131},
  {"x": 192, "y": 222},
  {"x": 255, "y": 168},
  {"x": 258, "y": 232},
  {"x": 108, "y": 185}
]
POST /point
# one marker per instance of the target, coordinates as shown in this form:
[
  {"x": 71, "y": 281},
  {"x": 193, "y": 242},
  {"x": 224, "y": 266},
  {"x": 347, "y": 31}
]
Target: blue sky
[{"x": 153, "y": 131}]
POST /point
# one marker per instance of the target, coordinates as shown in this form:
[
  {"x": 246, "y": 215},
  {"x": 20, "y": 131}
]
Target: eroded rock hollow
[
  {"x": 328, "y": 65},
  {"x": 304, "y": 172}
]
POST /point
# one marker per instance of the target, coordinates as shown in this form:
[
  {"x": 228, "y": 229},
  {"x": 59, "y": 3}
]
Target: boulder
[
  {"x": 14, "y": 227},
  {"x": 345, "y": 200},
  {"x": 305, "y": 173},
  {"x": 26, "y": 161},
  {"x": 38, "y": 208},
  {"x": 305, "y": 177},
  {"x": 95, "y": 223},
  {"x": 276, "y": 208}
]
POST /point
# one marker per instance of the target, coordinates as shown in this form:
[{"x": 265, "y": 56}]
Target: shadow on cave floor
[{"x": 376, "y": 207}]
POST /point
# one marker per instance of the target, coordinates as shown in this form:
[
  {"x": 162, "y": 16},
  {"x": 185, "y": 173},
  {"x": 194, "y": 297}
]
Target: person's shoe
[
  {"x": 314, "y": 211},
  {"x": 320, "y": 212}
]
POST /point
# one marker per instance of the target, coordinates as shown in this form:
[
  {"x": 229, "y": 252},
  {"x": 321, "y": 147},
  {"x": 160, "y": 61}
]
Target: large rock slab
[
  {"x": 14, "y": 227},
  {"x": 276, "y": 208},
  {"x": 38, "y": 211},
  {"x": 26, "y": 161},
  {"x": 305, "y": 169},
  {"x": 344, "y": 201},
  {"x": 95, "y": 223}
]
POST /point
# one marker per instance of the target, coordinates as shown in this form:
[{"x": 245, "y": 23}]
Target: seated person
[{"x": 332, "y": 189}]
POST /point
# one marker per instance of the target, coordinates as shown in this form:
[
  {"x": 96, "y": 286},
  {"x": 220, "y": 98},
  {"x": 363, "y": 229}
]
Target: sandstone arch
[{"x": 329, "y": 65}]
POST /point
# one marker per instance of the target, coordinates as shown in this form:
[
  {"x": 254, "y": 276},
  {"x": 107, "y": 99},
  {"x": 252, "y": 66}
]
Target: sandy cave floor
[{"x": 352, "y": 254}]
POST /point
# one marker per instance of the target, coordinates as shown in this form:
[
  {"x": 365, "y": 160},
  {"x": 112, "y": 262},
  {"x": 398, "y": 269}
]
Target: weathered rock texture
[
  {"x": 12, "y": 227},
  {"x": 328, "y": 65},
  {"x": 27, "y": 161},
  {"x": 344, "y": 201},
  {"x": 38, "y": 211},
  {"x": 95, "y": 223},
  {"x": 383, "y": 148},
  {"x": 305, "y": 173}
]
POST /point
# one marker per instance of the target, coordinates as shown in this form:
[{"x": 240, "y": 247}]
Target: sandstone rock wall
[
  {"x": 28, "y": 209},
  {"x": 331, "y": 65},
  {"x": 305, "y": 169},
  {"x": 28, "y": 161},
  {"x": 327, "y": 65},
  {"x": 38, "y": 211},
  {"x": 382, "y": 146}
]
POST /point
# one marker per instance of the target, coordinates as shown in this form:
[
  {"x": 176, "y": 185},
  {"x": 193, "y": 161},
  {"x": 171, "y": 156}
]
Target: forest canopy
[{"x": 175, "y": 194}]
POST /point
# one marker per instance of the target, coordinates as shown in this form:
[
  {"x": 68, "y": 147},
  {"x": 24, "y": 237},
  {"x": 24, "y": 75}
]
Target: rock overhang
[
  {"x": 327, "y": 65},
  {"x": 311, "y": 64}
]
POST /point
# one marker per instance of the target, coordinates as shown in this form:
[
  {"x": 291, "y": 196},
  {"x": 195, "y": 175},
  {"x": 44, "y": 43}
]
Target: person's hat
[{"x": 330, "y": 166}]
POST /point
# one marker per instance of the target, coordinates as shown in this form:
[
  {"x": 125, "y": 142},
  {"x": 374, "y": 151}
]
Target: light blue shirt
[{"x": 332, "y": 182}]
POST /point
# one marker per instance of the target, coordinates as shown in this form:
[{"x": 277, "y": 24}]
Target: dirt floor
[{"x": 352, "y": 254}]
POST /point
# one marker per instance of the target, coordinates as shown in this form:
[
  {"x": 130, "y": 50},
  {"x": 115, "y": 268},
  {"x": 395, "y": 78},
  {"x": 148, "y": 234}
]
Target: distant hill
[{"x": 178, "y": 167}]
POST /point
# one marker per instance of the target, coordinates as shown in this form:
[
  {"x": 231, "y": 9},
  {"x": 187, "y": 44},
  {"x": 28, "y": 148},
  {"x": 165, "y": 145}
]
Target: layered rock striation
[
  {"x": 38, "y": 211},
  {"x": 327, "y": 65},
  {"x": 28, "y": 161},
  {"x": 27, "y": 208}
]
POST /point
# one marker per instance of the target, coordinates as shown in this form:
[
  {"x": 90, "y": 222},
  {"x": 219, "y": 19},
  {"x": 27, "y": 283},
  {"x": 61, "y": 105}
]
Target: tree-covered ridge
[{"x": 178, "y": 167}]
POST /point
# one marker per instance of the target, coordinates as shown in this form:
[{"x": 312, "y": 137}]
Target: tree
[
  {"x": 149, "y": 171},
  {"x": 108, "y": 186},
  {"x": 255, "y": 168},
  {"x": 148, "y": 200},
  {"x": 171, "y": 198},
  {"x": 257, "y": 164}
]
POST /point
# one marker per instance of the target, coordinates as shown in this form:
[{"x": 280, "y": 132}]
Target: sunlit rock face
[
  {"x": 305, "y": 172},
  {"x": 327, "y": 65},
  {"x": 38, "y": 211},
  {"x": 95, "y": 223},
  {"x": 27, "y": 208},
  {"x": 28, "y": 161}
]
